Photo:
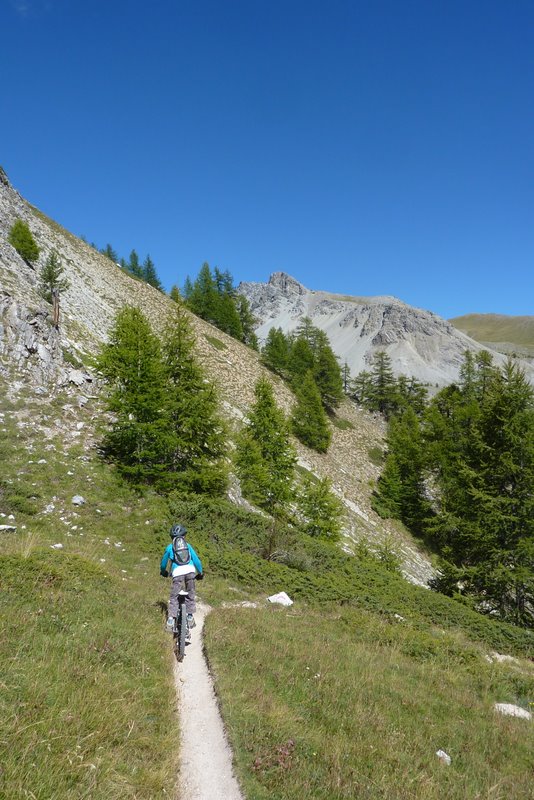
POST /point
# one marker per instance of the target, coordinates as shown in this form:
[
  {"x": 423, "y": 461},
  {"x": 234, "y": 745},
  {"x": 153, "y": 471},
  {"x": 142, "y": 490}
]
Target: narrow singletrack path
[{"x": 205, "y": 757}]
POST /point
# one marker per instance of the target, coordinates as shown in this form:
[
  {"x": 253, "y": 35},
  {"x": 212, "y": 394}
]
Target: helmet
[{"x": 178, "y": 530}]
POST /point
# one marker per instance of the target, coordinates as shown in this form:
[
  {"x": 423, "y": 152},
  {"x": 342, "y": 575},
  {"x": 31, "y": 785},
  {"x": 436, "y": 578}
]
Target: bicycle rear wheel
[{"x": 180, "y": 633}]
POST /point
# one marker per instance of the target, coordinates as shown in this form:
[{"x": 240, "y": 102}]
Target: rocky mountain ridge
[
  {"x": 419, "y": 343},
  {"x": 39, "y": 360}
]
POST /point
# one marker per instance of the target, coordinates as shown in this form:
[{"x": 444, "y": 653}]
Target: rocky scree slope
[
  {"x": 38, "y": 359},
  {"x": 419, "y": 343}
]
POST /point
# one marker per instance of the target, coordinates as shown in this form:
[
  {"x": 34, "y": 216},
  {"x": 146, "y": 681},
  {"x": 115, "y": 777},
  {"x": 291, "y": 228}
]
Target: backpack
[{"x": 180, "y": 551}]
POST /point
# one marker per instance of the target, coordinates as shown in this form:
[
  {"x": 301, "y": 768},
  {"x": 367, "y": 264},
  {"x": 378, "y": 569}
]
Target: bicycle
[{"x": 180, "y": 630}]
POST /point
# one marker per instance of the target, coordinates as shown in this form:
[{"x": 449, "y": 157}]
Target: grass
[
  {"x": 87, "y": 707},
  {"x": 215, "y": 342},
  {"x": 341, "y": 423},
  {"x": 376, "y": 456},
  {"x": 342, "y": 703},
  {"x": 497, "y": 328}
]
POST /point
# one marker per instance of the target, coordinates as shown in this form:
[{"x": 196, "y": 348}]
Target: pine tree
[
  {"x": 383, "y": 392},
  {"x": 265, "y": 459},
  {"x": 300, "y": 359},
  {"x": 134, "y": 266},
  {"x": 174, "y": 294},
  {"x": 150, "y": 274},
  {"x": 327, "y": 374},
  {"x": 309, "y": 421},
  {"x": 52, "y": 278},
  {"x": 22, "y": 240},
  {"x": 187, "y": 290},
  {"x": 275, "y": 352},
  {"x": 321, "y": 509},
  {"x": 197, "y": 441},
  {"x": 405, "y": 464},
  {"x": 361, "y": 388},
  {"x": 203, "y": 297},
  {"x": 248, "y": 321},
  {"x": 110, "y": 253},
  {"x": 132, "y": 365},
  {"x": 345, "y": 377}
]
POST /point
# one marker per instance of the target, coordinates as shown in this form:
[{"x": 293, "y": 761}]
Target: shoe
[
  {"x": 191, "y": 621},
  {"x": 170, "y": 624},
  {"x": 188, "y": 637}
]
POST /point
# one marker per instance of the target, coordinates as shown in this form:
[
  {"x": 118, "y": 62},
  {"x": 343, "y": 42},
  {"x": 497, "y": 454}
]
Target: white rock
[
  {"x": 77, "y": 500},
  {"x": 76, "y": 377},
  {"x": 281, "y": 598},
  {"x": 7, "y": 528},
  {"x": 42, "y": 461},
  {"x": 79, "y": 425},
  {"x": 503, "y": 659},
  {"x": 57, "y": 546},
  {"x": 444, "y": 757},
  {"x": 509, "y": 710},
  {"x": 11, "y": 516}
]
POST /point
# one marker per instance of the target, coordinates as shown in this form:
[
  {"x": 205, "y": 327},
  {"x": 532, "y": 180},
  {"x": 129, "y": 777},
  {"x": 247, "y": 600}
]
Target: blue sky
[{"x": 365, "y": 147}]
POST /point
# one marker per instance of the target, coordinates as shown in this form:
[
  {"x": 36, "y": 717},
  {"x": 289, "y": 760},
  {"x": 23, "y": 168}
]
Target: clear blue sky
[{"x": 365, "y": 147}]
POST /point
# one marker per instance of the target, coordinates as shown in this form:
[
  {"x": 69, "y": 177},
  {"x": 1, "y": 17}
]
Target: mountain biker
[{"x": 185, "y": 564}]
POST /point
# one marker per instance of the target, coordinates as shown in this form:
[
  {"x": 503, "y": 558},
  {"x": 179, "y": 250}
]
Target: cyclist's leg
[
  {"x": 176, "y": 586},
  {"x": 190, "y": 588}
]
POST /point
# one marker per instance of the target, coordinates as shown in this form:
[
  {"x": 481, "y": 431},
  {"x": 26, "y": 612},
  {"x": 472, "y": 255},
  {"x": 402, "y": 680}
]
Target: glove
[
  {"x": 164, "y": 573},
  {"x": 200, "y": 576}
]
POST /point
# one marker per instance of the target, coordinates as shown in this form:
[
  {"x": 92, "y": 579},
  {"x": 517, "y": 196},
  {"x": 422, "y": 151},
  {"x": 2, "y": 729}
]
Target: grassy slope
[
  {"x": 497, "y": 328},
  {"x": 87, "y": 702},
  {"x": 336, "y": 703}
]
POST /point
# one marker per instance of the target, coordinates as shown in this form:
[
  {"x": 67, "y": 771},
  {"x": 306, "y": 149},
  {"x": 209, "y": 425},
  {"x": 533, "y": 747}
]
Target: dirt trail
[{"x": 206, "y": 759}]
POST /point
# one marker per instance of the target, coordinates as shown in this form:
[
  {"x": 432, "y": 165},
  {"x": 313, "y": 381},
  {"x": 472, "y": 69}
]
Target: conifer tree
[
  {"x": 248, "y": 322},
  {"x": 197, "y": 441},
  {"x": 383, "y": 392},
  {"x": 52, "y": 277},
  {"x": 320, "y": 508},
  {"x": 275, "y": 352},
  {"x": 22, "y": 240},
  {"x": 309, "y": 421},
  {"x": 300, "y": 360},
  {"x": 405, "y": 465},
  {"x": 110, "y": 253},
  {"x": 203, "y": 297},
  {"x": 361, "y": 387},
  {"x": 265, "y": 459},
  {"x": 132, "y": 365},
  {"x": 174, "y": 294},
  {"x": 150, "y": 275},
  {"x": 134, "y": 266},
  {"x": 327, "y": 374}
]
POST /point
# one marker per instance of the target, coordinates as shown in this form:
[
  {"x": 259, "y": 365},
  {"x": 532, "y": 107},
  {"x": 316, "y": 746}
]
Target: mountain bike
[{"x": 180, "y": 632}]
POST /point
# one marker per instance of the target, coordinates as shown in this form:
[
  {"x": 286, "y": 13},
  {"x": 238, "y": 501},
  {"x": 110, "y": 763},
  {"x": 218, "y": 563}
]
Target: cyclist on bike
[{"x": 185, "y": 564}]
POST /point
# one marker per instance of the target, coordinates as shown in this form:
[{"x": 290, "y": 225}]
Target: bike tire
[{"x": 181, "y": 633}]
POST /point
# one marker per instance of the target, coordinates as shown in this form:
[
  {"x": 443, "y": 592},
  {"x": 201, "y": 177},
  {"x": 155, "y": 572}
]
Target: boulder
[{"x": 281, "y": 598}]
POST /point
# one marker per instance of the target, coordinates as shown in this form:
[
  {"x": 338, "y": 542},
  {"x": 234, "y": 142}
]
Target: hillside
[
  {"x": 98, "y": 288},
  {"x": 418, "y": 343},
  {"x": 504, "y": 333},
  {"x": 351, "y": 692}
]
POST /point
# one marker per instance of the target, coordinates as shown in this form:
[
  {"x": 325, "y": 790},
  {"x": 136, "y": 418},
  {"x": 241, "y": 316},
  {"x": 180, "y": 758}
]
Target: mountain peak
[{"x": 286, "y": 284}]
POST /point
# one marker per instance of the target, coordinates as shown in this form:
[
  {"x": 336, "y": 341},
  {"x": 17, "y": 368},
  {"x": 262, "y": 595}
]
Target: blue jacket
[{"x": 168, "y": 556}]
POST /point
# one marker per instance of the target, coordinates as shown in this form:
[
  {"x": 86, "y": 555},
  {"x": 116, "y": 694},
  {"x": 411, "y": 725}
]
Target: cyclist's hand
[
  {"x": 164, "y": 573},
  {"x": 200, "y": 576}
]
